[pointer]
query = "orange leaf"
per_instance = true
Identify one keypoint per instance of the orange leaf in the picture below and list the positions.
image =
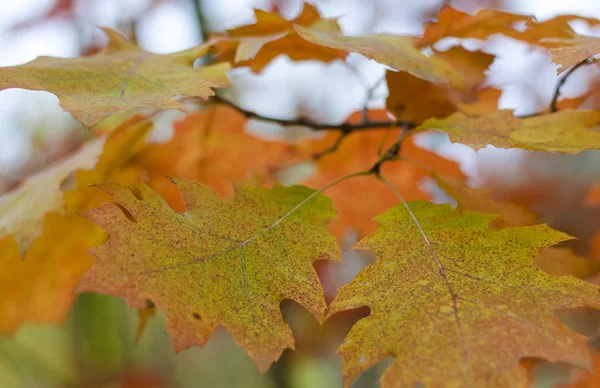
(258, 44)
(39, 288)
(211, 146)
(359, 199)
(454, 23)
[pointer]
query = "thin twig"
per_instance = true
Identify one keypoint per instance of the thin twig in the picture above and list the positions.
(333, 148)
(344, 127)
(301, 203)
(369, 97)
(392, 152)
(561, 82)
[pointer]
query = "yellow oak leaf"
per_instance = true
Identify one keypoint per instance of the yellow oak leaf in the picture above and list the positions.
(258, 44)
(568, 131)
(39, 287)
(414, 99)
(467, 300)
(554, 261)
(119, 78)
(220, 264)
(116, 162)
(397, 52)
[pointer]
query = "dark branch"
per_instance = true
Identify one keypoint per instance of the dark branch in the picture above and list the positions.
(391, 153)
(561, 82)
(344, 127)
(333, 148)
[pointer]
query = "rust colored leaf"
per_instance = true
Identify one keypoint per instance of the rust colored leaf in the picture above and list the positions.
(119, 78)
(567, 131)
(211, 146)
(414, 99)
(258, 44)
(397, 52)
(219, 264)
(39, 287)
(470, 298)
(369, 196)
(454, 23)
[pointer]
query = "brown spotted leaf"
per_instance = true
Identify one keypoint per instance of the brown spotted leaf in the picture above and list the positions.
(219, 264)
(121, 77)
(470, 303)
(397, 52)
(568, 131)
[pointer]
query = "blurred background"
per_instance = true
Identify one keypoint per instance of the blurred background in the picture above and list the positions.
(103, 336)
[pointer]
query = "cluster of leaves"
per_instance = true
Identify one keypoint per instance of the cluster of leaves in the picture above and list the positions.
(459, 291)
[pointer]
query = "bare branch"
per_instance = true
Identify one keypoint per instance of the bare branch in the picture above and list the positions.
(344, 127)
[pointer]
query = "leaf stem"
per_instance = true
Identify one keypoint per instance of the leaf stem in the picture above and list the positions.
(304, 201)
(441, 270)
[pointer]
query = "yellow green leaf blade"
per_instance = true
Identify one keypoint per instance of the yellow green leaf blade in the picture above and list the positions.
(472, 310)
(119, 78)
(398, 52)
(567, 131)
(219, 264)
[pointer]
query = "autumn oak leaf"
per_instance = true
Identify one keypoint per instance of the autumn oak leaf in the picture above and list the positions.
(470, 302)
(454, 23)
(414, 99)
(38, 288)
(569, 52)
(121, 77)
(568, 131)
(358, 152)
(256, 45)
(397, 52)
(220, 264)
(211, 146)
